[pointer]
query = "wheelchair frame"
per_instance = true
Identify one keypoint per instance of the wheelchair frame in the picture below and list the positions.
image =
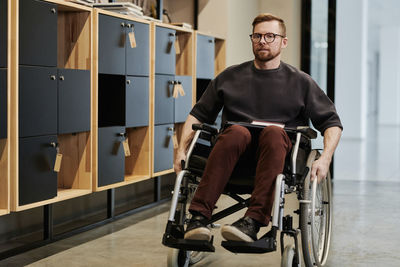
(315, 246)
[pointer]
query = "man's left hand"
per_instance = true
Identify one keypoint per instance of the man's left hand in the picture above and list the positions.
(320, 169)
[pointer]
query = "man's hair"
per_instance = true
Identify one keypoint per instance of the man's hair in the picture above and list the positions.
(269, 17)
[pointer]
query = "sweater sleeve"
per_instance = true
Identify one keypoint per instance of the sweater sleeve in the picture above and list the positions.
(320, 109)
(207, 108)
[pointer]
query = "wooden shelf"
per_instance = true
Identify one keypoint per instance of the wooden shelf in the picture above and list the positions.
(74, 51)
(4, 181)
(62, 194)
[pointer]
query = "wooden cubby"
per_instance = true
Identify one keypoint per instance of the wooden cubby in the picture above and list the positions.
(74, 37)
(137, 165)
(74, 52)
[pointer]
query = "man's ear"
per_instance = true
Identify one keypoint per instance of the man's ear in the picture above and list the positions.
(284, 42)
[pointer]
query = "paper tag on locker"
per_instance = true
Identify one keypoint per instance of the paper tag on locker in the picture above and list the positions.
(177, 46)
(57, 164)
(127, 151)
(175, 141)
(132, 39)
(180, 89)
(175, 90)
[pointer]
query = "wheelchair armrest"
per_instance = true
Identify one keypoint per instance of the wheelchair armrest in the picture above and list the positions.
(205, 127)
(304, 130)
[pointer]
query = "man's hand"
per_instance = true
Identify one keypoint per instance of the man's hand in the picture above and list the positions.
(178, 159)
(320, 169)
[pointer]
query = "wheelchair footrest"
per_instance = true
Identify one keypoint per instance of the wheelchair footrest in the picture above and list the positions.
(190, 245)
(263, 245)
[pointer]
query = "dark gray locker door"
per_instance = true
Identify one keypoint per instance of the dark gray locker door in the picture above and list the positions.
(111, 45)
(3, 33)
(111, 155)
(183, 104)
(138, 58)
(163, 100)
(3, 103)
(73, 101)
(137, 101)
(163, 147)
(205, 57)
(37, 33)
(37, 179)
(37, 101)
(165, 51)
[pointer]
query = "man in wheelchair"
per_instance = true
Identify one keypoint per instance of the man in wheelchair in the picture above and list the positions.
(264, 91)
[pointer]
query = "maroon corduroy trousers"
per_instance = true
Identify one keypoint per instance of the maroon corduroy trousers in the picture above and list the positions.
(236, 141)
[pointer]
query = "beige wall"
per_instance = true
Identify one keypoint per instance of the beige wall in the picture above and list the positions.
(240, 16)
(290, 12)
(180, 10)
(213, 17)
(232, 19)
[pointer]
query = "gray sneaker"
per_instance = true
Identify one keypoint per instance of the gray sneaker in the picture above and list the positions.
(197, 229)
(244, 229)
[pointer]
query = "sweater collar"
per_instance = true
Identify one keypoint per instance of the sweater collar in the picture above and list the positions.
(266, 71)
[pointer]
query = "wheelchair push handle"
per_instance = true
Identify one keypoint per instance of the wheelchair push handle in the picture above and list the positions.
(205, 127)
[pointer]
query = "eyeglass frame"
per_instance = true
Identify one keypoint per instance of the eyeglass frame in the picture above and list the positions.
(263, 36)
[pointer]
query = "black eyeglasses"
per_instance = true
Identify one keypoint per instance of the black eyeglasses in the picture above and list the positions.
(269, 37)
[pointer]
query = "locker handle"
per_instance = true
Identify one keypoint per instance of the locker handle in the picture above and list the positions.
(53, 10)
(122, 24)
(53, 77)
(171, 34)
(128, 81)
(54, 144)
(210, 41)
(171, 129)
(62, 78)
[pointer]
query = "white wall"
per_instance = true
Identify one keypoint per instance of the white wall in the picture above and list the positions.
(389, 76)
(351, 66)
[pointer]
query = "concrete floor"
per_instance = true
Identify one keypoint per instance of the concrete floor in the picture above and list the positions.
(366, 228)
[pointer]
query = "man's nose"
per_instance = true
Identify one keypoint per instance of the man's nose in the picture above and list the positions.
(262, 40)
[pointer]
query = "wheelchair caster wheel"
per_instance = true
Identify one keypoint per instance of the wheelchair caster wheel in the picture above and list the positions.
(288, 257)
(183, 258)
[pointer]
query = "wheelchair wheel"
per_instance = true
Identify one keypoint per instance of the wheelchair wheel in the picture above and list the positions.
(316, 218)
(178, 258)
(288, 256)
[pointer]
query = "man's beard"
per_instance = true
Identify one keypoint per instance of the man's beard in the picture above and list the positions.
(265, 57)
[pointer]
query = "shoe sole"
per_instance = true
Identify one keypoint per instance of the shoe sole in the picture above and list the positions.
(201, 233)
(231, 233)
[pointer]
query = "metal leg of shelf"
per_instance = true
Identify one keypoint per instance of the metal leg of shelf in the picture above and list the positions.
(157, 189)
(47, 222)
(111, 203)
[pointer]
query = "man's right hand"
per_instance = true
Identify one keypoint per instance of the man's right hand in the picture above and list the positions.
(178, 159)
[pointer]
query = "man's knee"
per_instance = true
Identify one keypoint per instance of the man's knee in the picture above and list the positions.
(236, 134)
(273, 136)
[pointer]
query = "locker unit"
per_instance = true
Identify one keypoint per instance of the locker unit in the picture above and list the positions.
(54, 105)
(123, 98)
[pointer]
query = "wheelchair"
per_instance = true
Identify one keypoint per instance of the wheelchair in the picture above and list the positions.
(315, 204)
